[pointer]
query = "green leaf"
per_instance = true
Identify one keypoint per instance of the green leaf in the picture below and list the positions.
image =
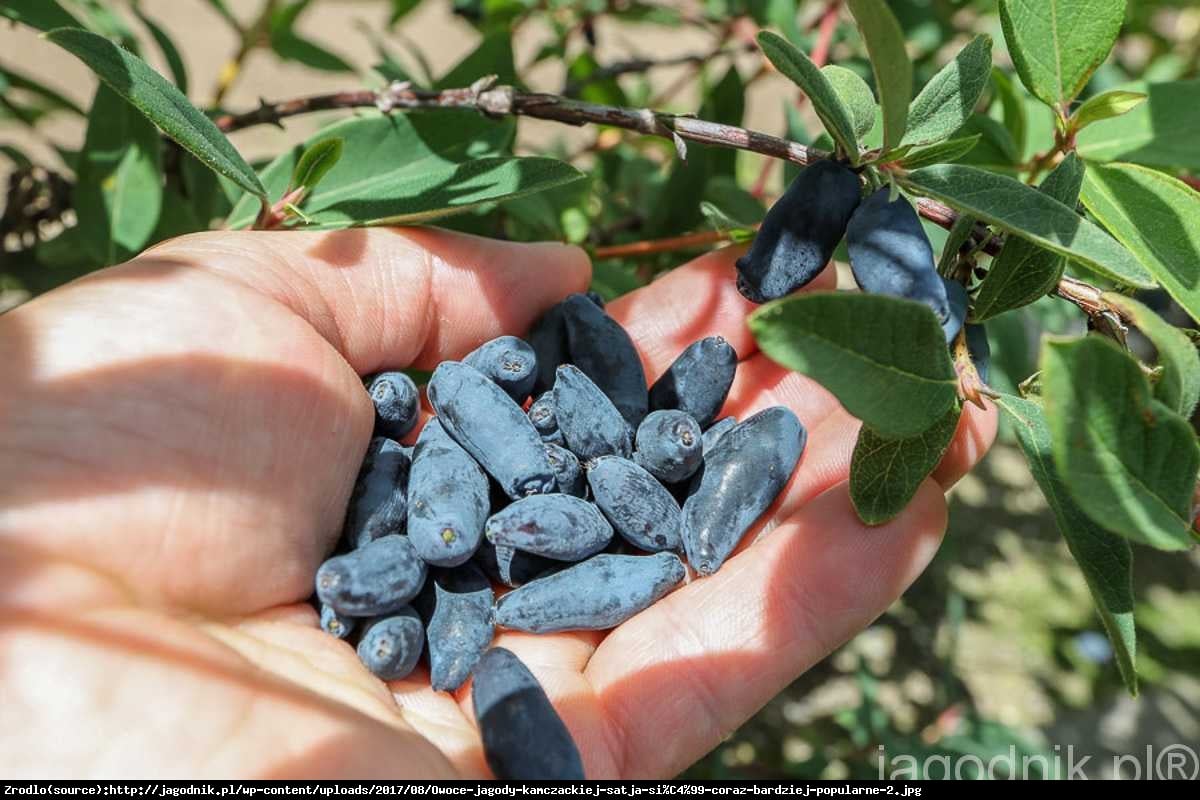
(49, 99)
(721, 221)
(1105, 559)
(958, 235)
(400, 9)
(167, 47)
(316, 162)
(1179, 386)
(884, 358)
(1128, 460)
(855, 95)
(940, 152)
(44, 15)
(889, 61)
(1103, 106)
(1157, 217)
(160, 102)
(995, 150)
(1012, 106)
(1056, 45)
(825, 101)
(493, 56)
(1024, 271)
(402, 168)
(16, 156)
(291, 46)
(118, 191)
(949, 98)
(1161, 132)
(885, 473)
(1024, 211)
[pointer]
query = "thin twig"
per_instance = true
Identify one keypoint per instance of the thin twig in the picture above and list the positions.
(668, 245)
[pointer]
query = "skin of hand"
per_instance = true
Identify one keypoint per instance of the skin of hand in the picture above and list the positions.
(179, 436)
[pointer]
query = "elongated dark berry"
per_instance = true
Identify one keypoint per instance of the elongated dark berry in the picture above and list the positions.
(715, 432)
(379, 504)
(669, 445)
(591, 425)
(459, 627)
(596, 594)
(492, 428)
(698, 382)
(603, 351)
(567, 470)
(336, 624)
(509, 362)
(890, 253)
(377, 578)
(391, 645)
(640, 508)
(396, 402)
(557, 526)
(548, 338)
(742, 475)
(448, 499)
(800, 232)
(523, 736)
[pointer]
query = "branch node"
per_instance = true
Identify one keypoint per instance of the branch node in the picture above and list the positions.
(495, 101)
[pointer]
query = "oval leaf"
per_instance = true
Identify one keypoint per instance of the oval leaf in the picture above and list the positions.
(45, 15)
(1056, 45)
(1025, 272)
(316, 162)
(1179, 386)
(163, 104)
(1157, 217)
(1024, 211)
(940, 153)
(1128, 460)
(1158, 133)
(886, 473)
(949, 98)
(889, 61)
(1105, 106)
(1105, 559)
(855, 95)
(884, 358)
(825, 101)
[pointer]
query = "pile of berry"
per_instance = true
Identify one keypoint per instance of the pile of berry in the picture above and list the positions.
(582, 505)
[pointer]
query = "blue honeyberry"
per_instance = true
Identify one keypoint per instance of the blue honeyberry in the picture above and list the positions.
(698, 381)
(590, 424)
(669, 445)
(459, 626)
(800, 232)
(742, 475)
(596, 594)
(378, 578)
(509, 362)
(492, 428)
(390, 645)
(603, 351)
(640, 508)
(379, 504)
(397, 404)
(448, 499)
(523, 736)
(558, 526)
(890, 253)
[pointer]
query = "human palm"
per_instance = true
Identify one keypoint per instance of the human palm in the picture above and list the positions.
(178, 440)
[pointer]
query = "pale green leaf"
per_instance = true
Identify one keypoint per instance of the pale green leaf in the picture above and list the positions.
(855, 95)
(1105, 559)
(889, 61)
(884, 358)
(939, 152)
(1128, 460)
(118, 191)
(1024, 211)
(160, 102)
(1160, 132)
(885, 473)
(1056, 45)
(316, 162)
(1012, 109)
(1024, 271)
(1179, 386)
(798, 68)
(949, 98)
(1105, 105)
(1157, 217)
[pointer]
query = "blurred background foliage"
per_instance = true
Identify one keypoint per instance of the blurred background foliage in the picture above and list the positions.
(996, 649)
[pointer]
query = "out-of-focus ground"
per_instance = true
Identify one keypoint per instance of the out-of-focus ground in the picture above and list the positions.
(996, 644)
